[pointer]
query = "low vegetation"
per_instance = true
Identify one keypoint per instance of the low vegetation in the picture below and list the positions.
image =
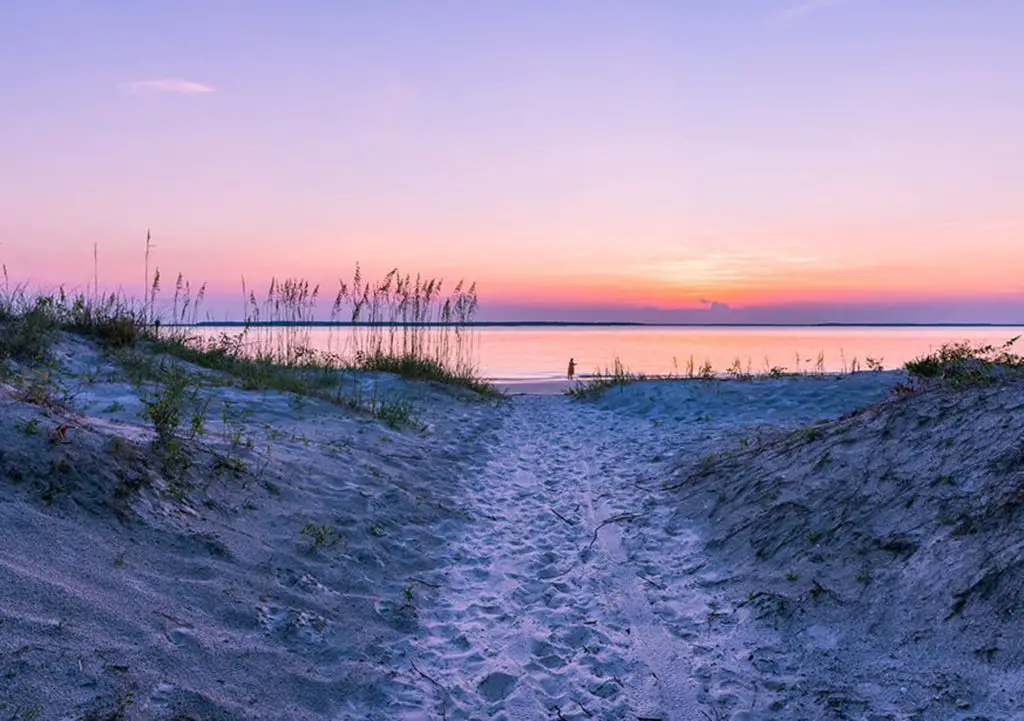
(414, 332)
(965, 362)
(618, 375)
(402, 325)
(600, 381)
(29, 322)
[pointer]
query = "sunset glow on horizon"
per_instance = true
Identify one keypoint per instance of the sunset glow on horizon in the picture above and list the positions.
(778, 160)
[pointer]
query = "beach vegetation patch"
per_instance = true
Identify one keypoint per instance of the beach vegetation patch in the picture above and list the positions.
(29, 321)
(965, 362)
(600, 381)
(396, 413)
(403, 324)
(171, 400)
(318, 536)
(42, 386)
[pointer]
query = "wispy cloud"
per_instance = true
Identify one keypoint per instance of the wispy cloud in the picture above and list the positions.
(806, 7)
(169, 85)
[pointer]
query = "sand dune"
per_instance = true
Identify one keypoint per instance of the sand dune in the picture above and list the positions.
(672, 550)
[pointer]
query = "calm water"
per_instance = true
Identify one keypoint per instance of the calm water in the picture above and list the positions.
(514, 354)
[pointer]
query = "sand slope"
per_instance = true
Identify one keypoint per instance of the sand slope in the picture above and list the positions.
(874, 566)
(124, 593)
(672, 550)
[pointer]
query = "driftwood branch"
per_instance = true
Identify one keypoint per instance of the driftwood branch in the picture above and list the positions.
(444, 691)
(562, 518)
(613, 519)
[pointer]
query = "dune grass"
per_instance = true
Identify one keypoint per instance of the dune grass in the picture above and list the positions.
(403, 325)
(619, 375)
(29, 321)
(964, 362)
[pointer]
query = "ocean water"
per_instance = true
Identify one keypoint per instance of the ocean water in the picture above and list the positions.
(529, 353)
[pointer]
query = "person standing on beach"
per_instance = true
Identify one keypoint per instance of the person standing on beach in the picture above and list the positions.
(572, 368)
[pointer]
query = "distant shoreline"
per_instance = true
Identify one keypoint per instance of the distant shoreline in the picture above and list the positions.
(575, 324)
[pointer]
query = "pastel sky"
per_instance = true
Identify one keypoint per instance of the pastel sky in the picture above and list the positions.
(677, 160)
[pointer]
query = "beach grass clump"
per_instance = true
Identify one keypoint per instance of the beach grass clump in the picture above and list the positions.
(29, 322)
(600, 381)
(27, 336)
(172, 400)
(396, 412)
(164, 407)
(423, 369)
(110, 319)
(964, 362)
(317, 535)
(42, 385)
(408, 326)
(253, 369)
(402, 324)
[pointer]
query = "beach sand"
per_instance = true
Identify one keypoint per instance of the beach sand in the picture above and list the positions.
(671, 550)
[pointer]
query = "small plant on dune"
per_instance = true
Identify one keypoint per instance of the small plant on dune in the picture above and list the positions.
(874, 364)
(30, 713)
(819, 364)
(197, 423)
(233, 435)
(963, 362)
(396, 413)
(737, 372)
(317, 535)
(904, 389)
(29, 427)
(41, 386)
(706, 372)
(164, 407)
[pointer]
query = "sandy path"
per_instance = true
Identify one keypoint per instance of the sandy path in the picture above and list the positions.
(543, 613)
(524, 561)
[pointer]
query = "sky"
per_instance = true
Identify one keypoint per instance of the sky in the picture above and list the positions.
(679, 160)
